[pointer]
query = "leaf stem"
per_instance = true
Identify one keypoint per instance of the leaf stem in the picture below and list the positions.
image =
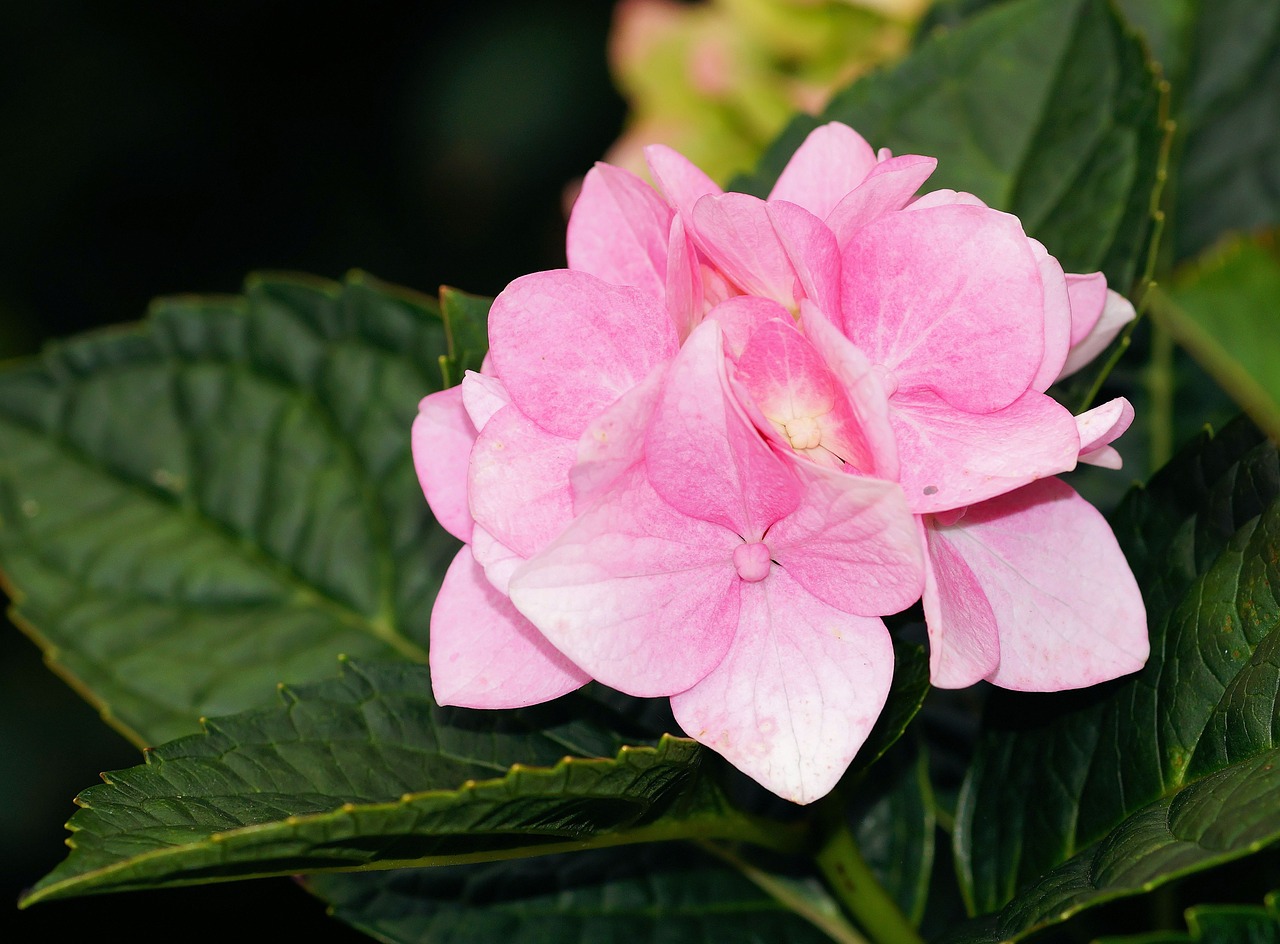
(855, 885)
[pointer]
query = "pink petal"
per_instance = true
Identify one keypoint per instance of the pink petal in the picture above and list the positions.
(441, 438)
(1117, 313)
(566, 345)
(735, 232)
(642, 597)
(740, 316)
(796, 695)
(964, 645)
(519, 481)
(704, 456)
(1057, 317)
(831, 161)
(1100, 426)
(614, 441)
(498, 560)
(1088, 298)
(484, 654)
(851, 543)
(951, 458)
(1067, 606)
(889, 187)
(684, 280)
(482, 396)
(812, 251)
(863, 389)
(944, 197)
(617, 230)
(679, 179)
(948, 299)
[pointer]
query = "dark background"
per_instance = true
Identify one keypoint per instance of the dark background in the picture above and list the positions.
(157, 147)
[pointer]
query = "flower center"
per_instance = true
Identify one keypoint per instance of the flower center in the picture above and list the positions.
(803, 432)
(752, 561)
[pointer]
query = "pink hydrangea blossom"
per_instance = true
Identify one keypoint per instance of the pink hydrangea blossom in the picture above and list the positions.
(704, 460)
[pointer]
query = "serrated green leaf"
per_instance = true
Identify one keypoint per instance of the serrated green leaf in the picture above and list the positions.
(1045, 108)
(1216, 924)
(367, 772)
(1223, 310)
(644, 895)
(197, 507)
(466, 324)
(1060, 808)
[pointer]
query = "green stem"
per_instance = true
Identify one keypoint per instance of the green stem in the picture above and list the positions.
(1160, 388)
(855, 885)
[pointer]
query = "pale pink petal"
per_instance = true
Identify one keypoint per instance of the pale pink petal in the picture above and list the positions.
(890, 186)
(831, 161)
(796, 695)
(566, 345)
(483, 396)
(498, 560)
(681, 181)
(614, 441)
(618, 230)
(1100, 426)
(948, 299)
(851, 542)
(642, 597)
(735, 232)
(1057, 317)
(441, 439)
(811, 248)
(1088, 298)
(1068, 609)
(703, 454)
(944, 197)
(862, 387)
(1117, 313)
(684, 280)
(951, 458)
(519, 481)
(964, 645)
(741, 315)
(484, 654)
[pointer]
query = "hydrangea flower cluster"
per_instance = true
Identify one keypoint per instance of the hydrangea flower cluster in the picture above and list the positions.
(704, 460)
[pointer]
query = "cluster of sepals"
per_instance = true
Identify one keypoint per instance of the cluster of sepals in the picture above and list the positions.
(704, 460)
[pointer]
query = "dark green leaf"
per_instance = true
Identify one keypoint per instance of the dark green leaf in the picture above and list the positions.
(906, 696)
(222, 498)
(366, 771)
(655, 894)
(1218, 924)
(1065, 802)
(1045, 108)
(466, 323)
(1224, 310)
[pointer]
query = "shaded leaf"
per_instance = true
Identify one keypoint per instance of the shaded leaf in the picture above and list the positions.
(1224, 310)
(200, 506)
(366, 771)
(1217, 924)
(1045, 108)
(466, 324)
(654, 894)
(1082, 796)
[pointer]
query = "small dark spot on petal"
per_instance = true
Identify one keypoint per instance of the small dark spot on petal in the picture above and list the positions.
(931, 490)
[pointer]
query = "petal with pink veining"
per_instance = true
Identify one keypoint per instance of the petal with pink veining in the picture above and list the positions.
(704, 456)
(811, 248)
(441, 437)
(614, 441)
(518, 481)
(1116, 313)
(948, 299)
(851, 542)
(1101, 426)
(483, 396)
(889, 187)
(1088, 294)
(638, 594)
(484, 654)
(951, 458)
(683, 280)
(1057, 317)
(566, 345)
(1068, 609)
(964, 645)
(735, 232)
(618, 230)
(681, 181)
(831, 161)
(796, 695)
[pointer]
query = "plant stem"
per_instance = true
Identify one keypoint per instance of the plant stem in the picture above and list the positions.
(1160, 388)
(856, 886)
